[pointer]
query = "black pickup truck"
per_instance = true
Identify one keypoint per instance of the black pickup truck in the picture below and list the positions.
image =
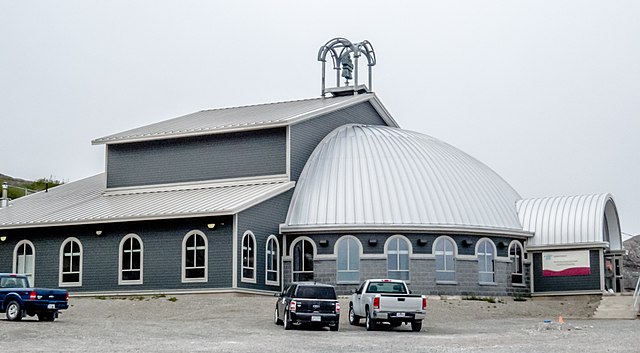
(18, 299)
(309, 304)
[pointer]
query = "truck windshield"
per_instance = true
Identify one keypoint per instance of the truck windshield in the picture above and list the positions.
(14, 282)
(315, 292)
(386, 287)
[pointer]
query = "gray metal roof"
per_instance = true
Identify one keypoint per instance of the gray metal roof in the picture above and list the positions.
(571, 221)
(243, 118)
(85, 202)
(375, 177)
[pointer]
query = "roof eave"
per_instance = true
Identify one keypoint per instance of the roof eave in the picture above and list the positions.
(444, 229)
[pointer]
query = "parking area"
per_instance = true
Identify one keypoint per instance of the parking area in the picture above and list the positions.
(244, 323)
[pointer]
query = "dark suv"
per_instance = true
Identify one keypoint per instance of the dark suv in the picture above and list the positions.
(309, 304)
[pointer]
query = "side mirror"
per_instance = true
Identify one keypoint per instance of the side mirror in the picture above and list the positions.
(410, 291)
(354, 291)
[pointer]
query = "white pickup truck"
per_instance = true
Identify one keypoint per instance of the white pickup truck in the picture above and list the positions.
(386, 300)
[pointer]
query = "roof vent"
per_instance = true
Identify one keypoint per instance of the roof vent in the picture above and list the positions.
(345, 56)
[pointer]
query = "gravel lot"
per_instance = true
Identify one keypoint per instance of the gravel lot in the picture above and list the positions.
(242, 323)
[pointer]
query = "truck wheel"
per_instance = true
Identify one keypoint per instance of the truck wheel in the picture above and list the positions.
(287, 322)
(416, 326)
(14, 311)
(276, 319)
(46, 317)
(353, 318)
(370, 323)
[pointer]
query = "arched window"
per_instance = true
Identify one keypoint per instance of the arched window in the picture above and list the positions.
(131, 260)
(24, 260)
(398, 257)
(516, 254)
(303, 261)
(444, 251)
(70, 263)
(486, 255)
(194, 257)
(248, 257)
(272, 261)
(348, 260)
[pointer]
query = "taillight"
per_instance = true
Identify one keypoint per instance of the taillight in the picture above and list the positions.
(32, 296)
(376, 302)
(67, 297)
(292, 306)
(424, 303)
(337, 308)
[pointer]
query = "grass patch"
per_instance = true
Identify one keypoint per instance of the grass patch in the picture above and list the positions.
(519, 298)
(173, 299)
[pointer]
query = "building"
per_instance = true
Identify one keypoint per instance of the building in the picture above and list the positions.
(328, 189)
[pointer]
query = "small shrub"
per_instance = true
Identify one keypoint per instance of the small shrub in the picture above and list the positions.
(173, 299)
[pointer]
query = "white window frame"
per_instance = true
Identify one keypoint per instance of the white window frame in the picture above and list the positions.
(61, 273)
(314, 253)
(184, 258)
(31, 276)
(454, 254)
(276, 255)
(520, 263)
(346, 238)
(250, 252)
(484, 254)
(397, 253)
(122, 281)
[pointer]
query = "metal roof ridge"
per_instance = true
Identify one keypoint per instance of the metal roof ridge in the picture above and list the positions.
(209, 184)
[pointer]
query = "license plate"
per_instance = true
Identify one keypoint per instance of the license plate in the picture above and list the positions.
(315, 318)
(399, 314)
(51, 306)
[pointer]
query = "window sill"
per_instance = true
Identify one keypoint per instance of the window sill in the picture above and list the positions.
(348, 282)
(447, 282)
(272, 283)
(248, 280)
(488, 283)
(519, 285)
(65, 285)
(129, 283)
(194, 280)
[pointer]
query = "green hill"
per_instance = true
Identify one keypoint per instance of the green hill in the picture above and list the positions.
(21, 187)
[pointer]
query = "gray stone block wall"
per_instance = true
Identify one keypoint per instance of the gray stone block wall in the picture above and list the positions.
(422, 277)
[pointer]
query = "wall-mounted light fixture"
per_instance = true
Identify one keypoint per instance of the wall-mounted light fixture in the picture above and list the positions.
(324, 242)
(422, 242)
(502, 245)
(373, 242)
(466, 242)
(98, 232)
(3, 238)
(211, 225)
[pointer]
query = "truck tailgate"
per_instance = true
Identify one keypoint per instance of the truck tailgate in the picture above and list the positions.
(400, 303)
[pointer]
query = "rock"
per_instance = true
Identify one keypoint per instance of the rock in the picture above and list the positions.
(631, 263)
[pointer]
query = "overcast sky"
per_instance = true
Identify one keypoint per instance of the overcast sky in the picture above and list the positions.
(547, 93)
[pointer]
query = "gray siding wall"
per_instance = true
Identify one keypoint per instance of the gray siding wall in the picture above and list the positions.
(422, 270)
(590, 282)
(262, 220)
(162, 242)
(305, 136)
(232, 155)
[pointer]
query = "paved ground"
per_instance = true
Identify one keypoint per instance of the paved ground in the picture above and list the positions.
(232, 323)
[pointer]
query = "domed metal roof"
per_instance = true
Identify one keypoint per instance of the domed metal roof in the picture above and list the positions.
(363, 177)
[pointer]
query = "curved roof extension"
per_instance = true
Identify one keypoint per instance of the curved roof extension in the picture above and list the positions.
(571, 220)
(364, 177)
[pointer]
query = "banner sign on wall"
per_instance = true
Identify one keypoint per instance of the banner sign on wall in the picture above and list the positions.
(566, 263)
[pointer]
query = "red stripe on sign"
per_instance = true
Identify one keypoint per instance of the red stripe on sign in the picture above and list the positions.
(576, 271)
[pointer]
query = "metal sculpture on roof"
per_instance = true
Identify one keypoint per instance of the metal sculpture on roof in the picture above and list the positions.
(341, 51)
